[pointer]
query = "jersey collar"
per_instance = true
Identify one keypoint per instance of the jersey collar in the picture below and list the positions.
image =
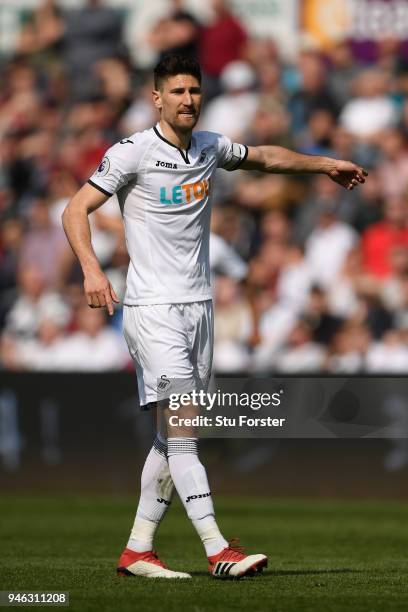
(156, 130)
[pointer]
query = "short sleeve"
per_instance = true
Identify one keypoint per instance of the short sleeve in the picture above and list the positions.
(230, 154)
(118, 166)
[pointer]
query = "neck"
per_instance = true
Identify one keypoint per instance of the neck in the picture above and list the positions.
(179, 139)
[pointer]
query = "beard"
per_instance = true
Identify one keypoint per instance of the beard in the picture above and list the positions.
(182, 123)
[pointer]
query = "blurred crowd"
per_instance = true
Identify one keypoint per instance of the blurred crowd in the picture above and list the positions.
(307, 277)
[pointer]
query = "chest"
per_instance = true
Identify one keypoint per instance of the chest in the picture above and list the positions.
(174, 179)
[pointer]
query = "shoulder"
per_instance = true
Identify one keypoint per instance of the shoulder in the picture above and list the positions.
(134, 140)
(127, 152)
(206, 137)
(212, 139)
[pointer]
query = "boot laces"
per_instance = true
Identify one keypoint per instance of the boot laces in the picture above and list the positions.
(235, 550)
(151, 557)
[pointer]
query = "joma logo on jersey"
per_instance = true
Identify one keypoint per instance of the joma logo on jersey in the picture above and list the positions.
(162, 164)
(184, 194)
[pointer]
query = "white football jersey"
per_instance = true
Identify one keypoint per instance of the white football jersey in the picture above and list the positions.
(165, 197)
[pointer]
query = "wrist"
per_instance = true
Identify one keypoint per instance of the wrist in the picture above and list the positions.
(329, 165)
(90, 268)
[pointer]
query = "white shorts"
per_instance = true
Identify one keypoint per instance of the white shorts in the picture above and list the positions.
(172, 347)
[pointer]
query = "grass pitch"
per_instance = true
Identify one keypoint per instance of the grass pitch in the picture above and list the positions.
(323, 556)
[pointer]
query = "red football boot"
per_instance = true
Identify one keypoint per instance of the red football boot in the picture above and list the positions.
(146, 564)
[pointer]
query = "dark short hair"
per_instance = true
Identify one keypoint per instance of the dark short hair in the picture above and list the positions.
(174, 64)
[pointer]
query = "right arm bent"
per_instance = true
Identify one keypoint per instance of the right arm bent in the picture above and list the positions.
(98, 290)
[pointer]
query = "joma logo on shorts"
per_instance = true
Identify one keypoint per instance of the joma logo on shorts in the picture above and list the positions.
(184, 194)
(163, 501)
(190, 497)
(162, 164)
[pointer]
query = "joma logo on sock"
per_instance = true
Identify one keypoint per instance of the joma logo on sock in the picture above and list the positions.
(163, 501)
(190, 497)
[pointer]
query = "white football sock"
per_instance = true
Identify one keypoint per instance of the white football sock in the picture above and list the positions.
(155, 497)
(190, 479)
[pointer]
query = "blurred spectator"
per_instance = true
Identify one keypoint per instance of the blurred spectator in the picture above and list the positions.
(90, 33)
(328, 245)
(61, 187)
(41, 34)
(267, 191)
(314, 93)
(91, 348)
(270, 83)
(141, 114)
(371, 110)
(275, 325)
(11, 241)
(323, 321)
(45, 352)
(393, 167)
(224, 260)
(343, 143)
(404, 115)
(343, 70)
(175, 32)
(394, 287)
(231, 113)
(275, 226)
(262, 51)
(115, 88)
(377, 318)
(221, 42)
(272, 256)
(270, 125)
(401, 315)
(33, 304)
(232, 327)
(294, 280)
(234, 227)
(379, 239)
(389, 355)
(94, 347)
(315, 139)
(348, 349)
(107, 230)
(45, 245)
(300, 354)
(351, 283)
(368, 209)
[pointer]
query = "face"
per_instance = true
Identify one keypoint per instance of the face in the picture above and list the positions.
(179, 101)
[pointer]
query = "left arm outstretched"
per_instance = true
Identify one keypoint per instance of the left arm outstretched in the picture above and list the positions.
(280, 160)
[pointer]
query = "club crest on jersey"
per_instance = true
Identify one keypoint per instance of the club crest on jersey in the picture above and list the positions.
(162, 164)
(103, 167)
(185, 194)
(203, 156)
